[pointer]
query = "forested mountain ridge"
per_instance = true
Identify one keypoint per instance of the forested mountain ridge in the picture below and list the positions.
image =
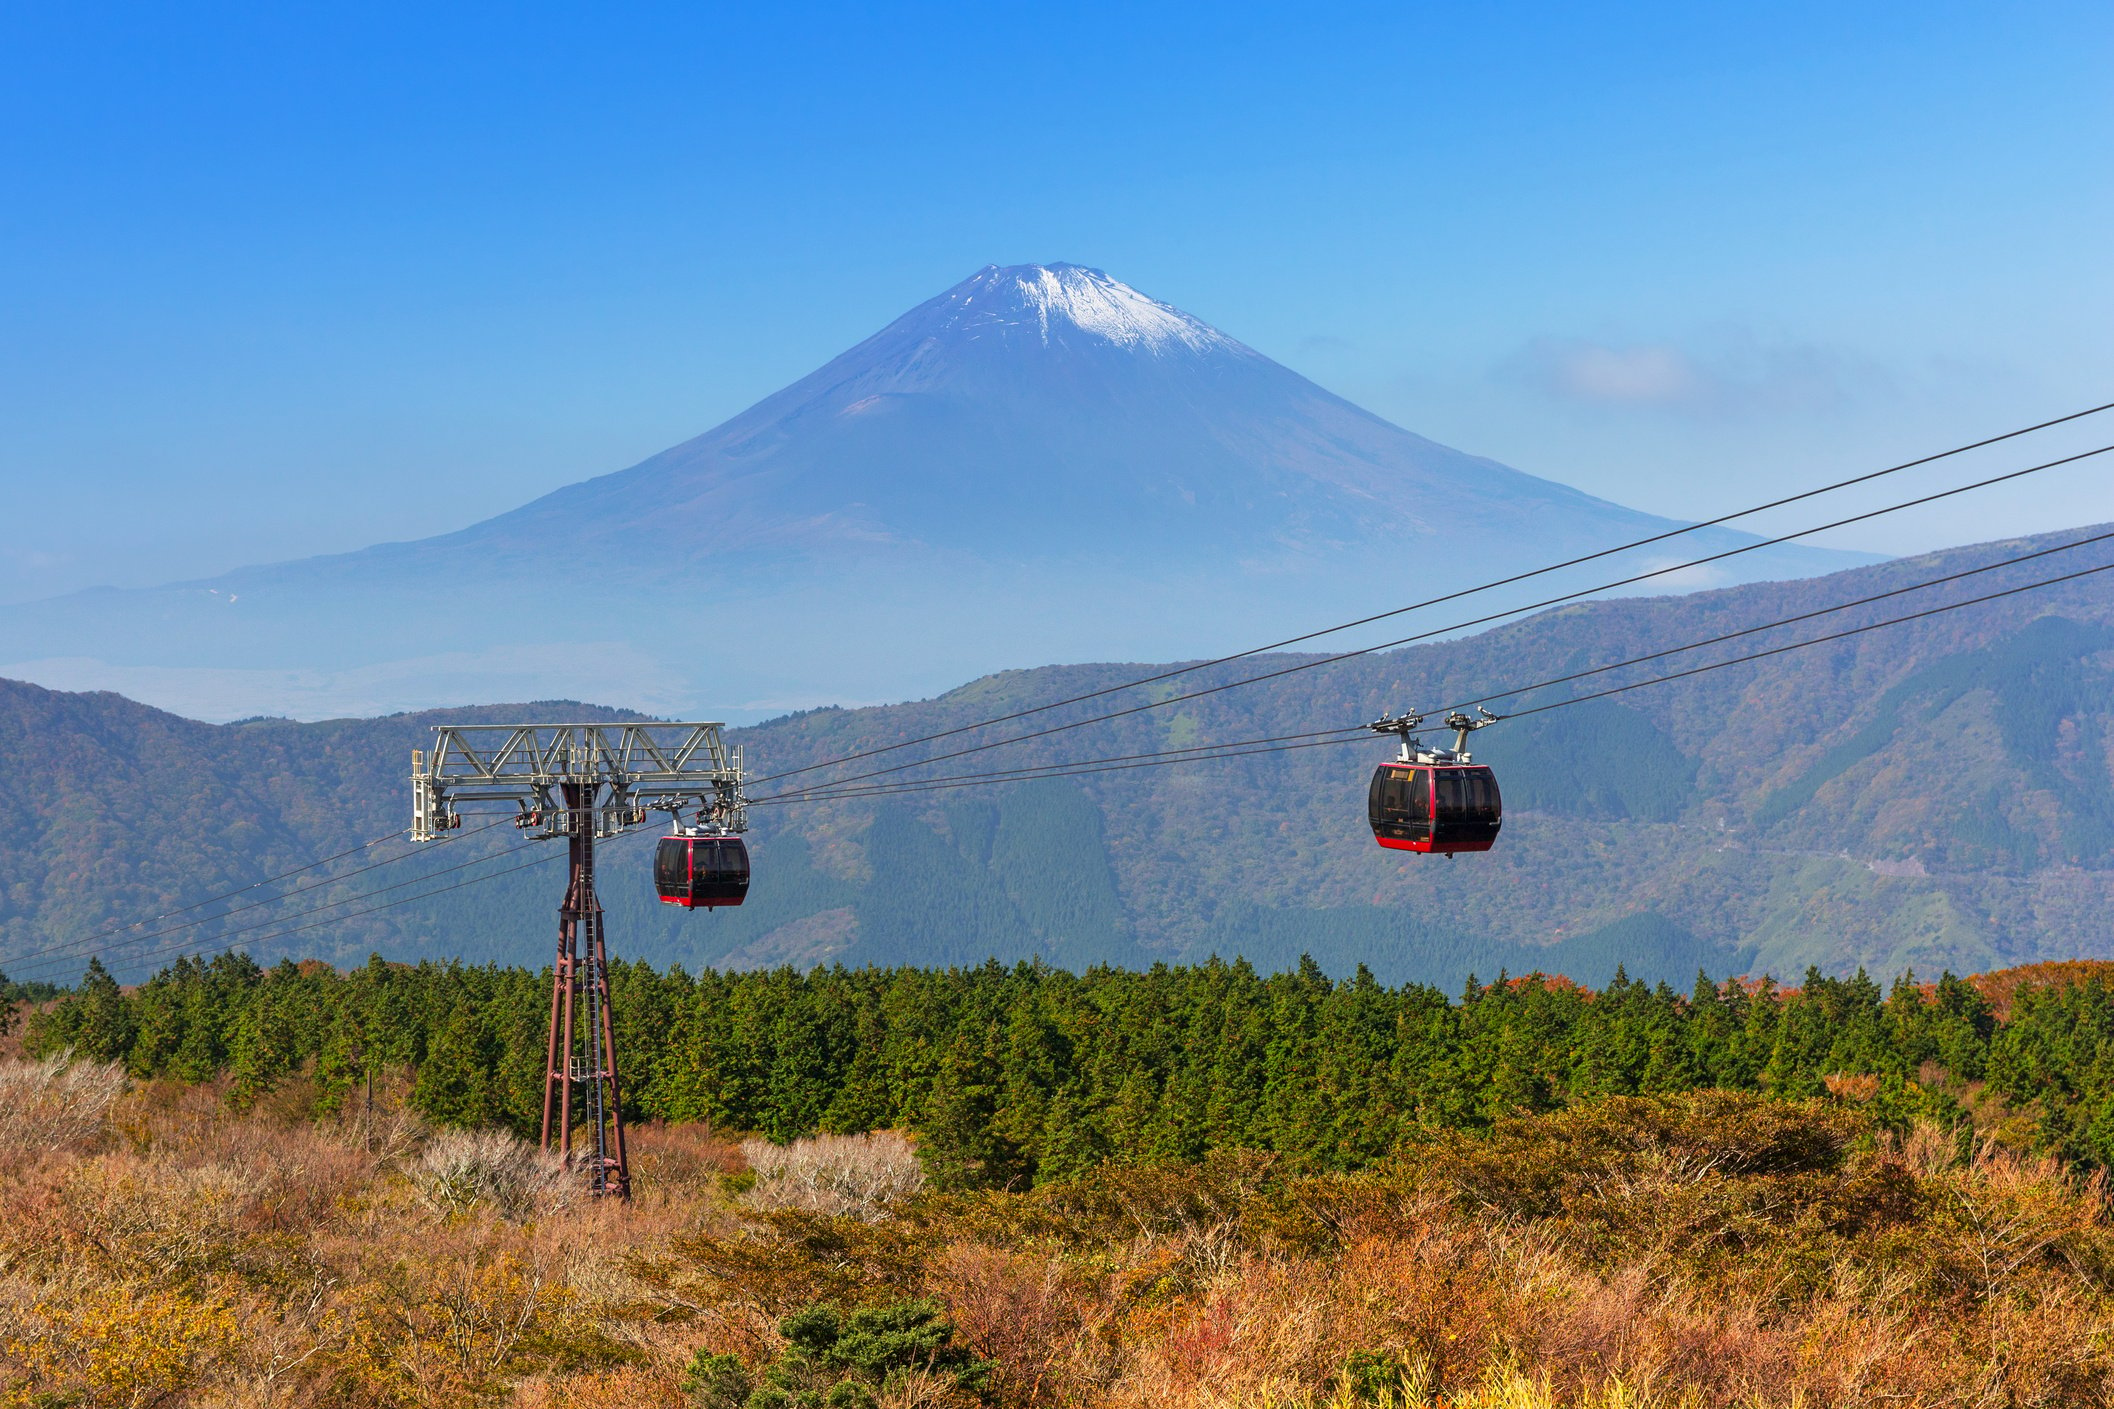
(123, 813)
(1927, 794)
(1935, 794)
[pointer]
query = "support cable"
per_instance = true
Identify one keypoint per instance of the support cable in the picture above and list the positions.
(1028, 772)
(239, 890)
(1808, 616)
(1816, 641)
(1546, 602)
(1646, 542)
(73, 948)
(266, 924)
(1352, 735)
(842, 788)
(177, 950)
(1242, 748)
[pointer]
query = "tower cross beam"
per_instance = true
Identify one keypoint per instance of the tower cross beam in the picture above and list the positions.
(626, 767)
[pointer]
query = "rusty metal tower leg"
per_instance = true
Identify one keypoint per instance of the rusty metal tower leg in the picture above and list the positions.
(557, 1085)
(581, 981)
(611, 1173)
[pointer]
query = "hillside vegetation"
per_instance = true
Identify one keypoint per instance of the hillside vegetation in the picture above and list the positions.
(166, 1248)
(1937, 795)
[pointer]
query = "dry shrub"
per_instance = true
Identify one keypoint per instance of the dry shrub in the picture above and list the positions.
(627, 1387)
(377, 1118)
(461, 1168)
(1757, 1198)
(1275, 1328)
(457, 1322)
(55, 1103)
(1542, 1166)
(1691, 1253)
(1453, 1309)
(269, 1260)
(131, 1218)
(856, 1176)
(1660, 1250)
(1924, 1150)
(1510, 1387)
(187, 1125)
(744, 1275)
(680, 1161)
(1647, 1328)
(293, 1171)
(922, 1389)
(1034, 1317)
(1851, 1086)
(2005, 1214)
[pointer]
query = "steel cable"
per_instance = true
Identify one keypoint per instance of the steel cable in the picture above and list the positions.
(1240, 748)
(1720, 520)
(842, 788)
(832, 784)
(52, 959)
(74, 948)
(1234, 751)
(392, 904)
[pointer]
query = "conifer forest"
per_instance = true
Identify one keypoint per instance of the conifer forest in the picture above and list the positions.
(1024, 1075)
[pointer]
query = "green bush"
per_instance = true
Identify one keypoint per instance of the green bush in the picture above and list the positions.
(717, 1381)
(833, 1361)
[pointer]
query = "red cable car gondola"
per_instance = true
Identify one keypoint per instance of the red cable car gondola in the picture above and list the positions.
(1416, 807)
(1434, 800)
(702, 870)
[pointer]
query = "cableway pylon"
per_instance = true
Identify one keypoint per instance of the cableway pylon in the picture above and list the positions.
(582, 782)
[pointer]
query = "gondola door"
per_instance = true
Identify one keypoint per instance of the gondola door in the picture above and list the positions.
(1399, 807)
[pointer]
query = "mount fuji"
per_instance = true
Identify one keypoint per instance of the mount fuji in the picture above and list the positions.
(1041, 464)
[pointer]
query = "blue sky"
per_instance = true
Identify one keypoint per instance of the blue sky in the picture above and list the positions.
(278, 280)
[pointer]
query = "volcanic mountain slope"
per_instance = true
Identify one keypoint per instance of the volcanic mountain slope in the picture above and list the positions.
(1040, 464)
(1933, 794)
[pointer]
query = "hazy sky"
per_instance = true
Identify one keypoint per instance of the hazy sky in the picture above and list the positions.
(279, 280)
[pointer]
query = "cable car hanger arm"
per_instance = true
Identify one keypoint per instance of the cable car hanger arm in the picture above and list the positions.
(1407, 726)
(625, 769)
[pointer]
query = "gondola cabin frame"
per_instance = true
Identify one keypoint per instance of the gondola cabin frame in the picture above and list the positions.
(1433, 808)
(701, 870)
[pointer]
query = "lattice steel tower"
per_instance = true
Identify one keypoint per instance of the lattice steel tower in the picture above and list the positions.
(583, 782)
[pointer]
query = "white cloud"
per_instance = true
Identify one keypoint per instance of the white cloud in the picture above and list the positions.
(1648, 375)
(1729, 373)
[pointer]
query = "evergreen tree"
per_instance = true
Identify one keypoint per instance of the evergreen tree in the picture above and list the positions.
(455, 1083)
(265, 1048)
(963, 1148)
(97, 1022)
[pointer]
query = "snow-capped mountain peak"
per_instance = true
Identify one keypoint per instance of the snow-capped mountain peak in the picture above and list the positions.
(1055, 298)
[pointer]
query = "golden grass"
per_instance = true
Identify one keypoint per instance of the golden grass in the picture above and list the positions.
(1705, 1251)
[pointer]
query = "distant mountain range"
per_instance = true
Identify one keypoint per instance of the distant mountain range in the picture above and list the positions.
(1040, 464)
(1929, 795)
